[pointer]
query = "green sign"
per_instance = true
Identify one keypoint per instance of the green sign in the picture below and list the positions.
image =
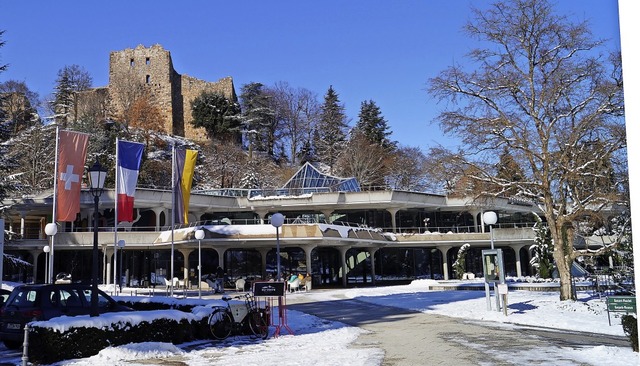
(621, 304)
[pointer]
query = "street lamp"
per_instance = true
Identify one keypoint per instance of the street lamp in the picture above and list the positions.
(277, 219)
(97, 175)
(490, 218)
(50, 229)
(199, 236)
(46, 251)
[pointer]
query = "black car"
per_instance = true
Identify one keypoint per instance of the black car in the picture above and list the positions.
(42, 302)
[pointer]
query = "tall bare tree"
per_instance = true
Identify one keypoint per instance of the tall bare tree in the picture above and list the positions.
(367, 161)
(541, 89)
(298, 111)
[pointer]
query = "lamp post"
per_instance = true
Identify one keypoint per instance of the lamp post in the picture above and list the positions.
(50, 229)
(121, 248)
(199, 236)
(490, 218)
(97, 175)
(46, 251)
(277, 219)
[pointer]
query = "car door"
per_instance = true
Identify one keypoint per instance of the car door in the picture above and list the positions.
(71, 303)
(104, 304)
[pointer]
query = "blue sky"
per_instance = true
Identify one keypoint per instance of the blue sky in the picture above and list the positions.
(384, 51)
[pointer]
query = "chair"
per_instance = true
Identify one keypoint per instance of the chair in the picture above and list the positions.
(211, 284)
(240, 282)
(294, 285)
(173, 283)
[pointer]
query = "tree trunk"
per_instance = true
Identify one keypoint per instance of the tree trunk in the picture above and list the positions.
(563, 250)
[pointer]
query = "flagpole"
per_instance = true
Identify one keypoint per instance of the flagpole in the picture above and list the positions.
(55, 194)
(173, 207)
(115, 232)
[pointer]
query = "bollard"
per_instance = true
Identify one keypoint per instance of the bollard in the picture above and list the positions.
(504, 304)
(25, 346)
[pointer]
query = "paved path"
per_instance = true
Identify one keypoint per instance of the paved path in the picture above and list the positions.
(413, 338)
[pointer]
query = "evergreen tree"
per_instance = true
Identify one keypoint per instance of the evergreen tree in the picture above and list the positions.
(258, 118)
(219, 116)
(331, 133)
(460, 265)
(372, 124)
(542, 249)
(71, 80)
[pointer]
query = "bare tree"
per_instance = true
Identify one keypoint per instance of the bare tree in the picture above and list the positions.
(541, 90)
(298, 111)
(408, 171)
(365, 160)
(146, 116)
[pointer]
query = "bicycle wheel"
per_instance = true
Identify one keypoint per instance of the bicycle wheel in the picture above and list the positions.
(259, 323)
(220, 323)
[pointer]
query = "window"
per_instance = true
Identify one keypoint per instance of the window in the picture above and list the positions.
(132, 63)
(147, 61)
(147, 79)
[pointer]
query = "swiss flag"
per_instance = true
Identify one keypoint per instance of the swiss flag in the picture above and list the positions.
(72, 153)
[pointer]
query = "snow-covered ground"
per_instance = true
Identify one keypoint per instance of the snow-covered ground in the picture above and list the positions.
(329, 343)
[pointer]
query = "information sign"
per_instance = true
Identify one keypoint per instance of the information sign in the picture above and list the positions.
(268, 289)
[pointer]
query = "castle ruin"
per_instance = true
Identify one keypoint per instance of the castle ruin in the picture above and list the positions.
(150, 69)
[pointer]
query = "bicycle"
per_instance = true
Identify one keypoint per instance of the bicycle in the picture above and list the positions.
(240, 317)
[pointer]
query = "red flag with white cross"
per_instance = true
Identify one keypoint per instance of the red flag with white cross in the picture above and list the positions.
(72, 153)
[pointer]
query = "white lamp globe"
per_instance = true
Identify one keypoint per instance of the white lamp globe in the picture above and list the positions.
(199, 234)
(51, 229)
(490, 218)
(277, 219)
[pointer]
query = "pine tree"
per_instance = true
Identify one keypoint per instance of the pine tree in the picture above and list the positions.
(258, 117)
(219, 116)
(542, 249)
(71, 80)
(460, 265)
(331, 133)
(372, 124)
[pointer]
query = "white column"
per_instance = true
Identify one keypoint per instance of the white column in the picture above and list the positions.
(516, 249)
(445, 262)
(393, 212)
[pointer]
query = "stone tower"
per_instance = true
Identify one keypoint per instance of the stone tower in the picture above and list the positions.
(151, 69)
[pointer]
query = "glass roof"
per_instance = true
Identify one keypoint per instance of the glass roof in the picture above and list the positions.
(309, 179)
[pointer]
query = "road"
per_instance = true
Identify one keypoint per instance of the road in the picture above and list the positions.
(413, 338)
(410, 338)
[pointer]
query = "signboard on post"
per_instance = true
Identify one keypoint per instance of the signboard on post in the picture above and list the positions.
(620, 304)
(268, 289)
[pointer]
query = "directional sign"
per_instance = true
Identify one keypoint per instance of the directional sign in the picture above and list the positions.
(625, 304)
